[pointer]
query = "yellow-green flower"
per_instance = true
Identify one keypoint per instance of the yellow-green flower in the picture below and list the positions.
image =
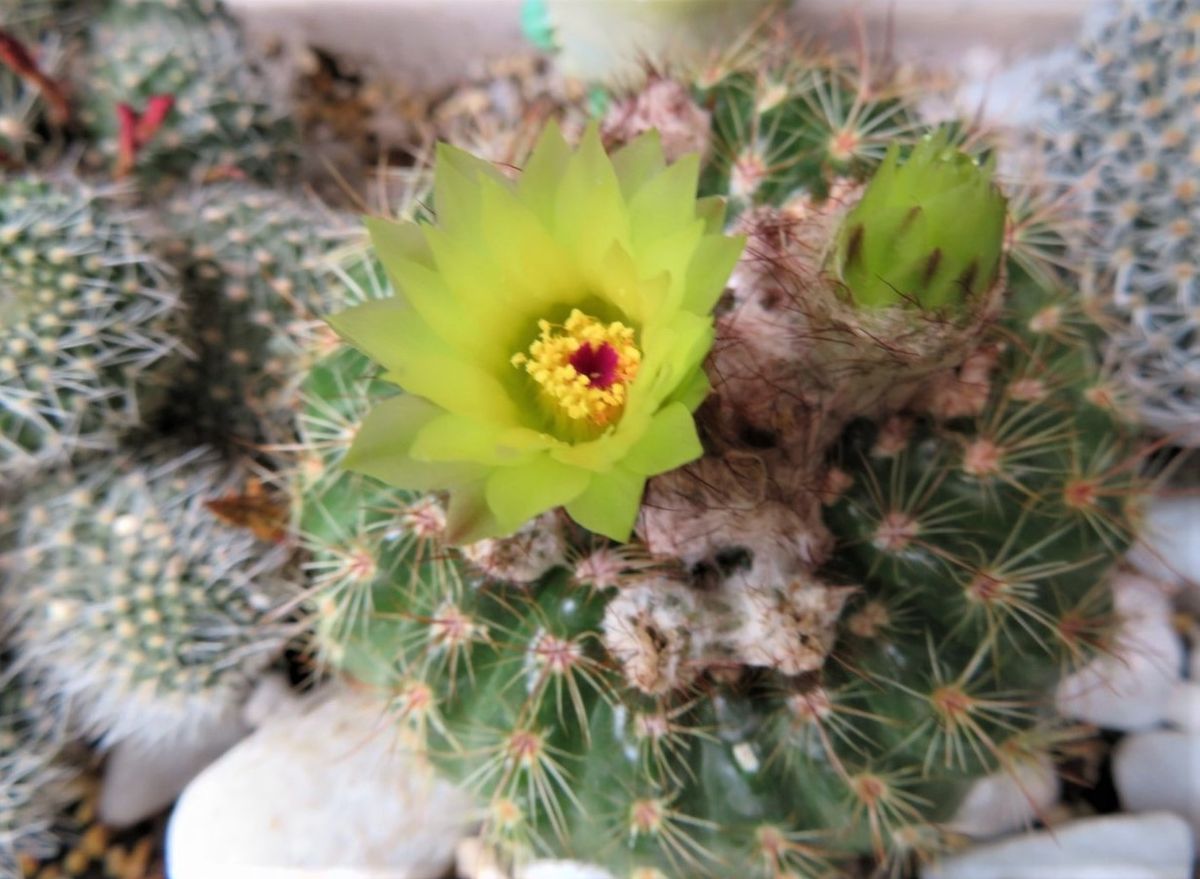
(549, 333)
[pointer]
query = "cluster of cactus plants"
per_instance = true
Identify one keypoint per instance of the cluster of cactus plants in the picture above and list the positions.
(890, 541)
(751, 484)
(143, 581)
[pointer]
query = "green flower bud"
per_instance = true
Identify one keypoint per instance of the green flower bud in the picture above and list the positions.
(929, 232)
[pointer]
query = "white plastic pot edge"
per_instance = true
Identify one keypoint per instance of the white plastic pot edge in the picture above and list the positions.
(430, 43)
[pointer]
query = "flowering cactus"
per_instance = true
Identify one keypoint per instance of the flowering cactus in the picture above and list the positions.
(549, 333)
(847, 611)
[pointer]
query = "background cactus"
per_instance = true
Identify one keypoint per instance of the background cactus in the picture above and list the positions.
(83, 313)
(135, 604)
(853, 607)
(199, 108)
(37, 778)
(1123, 135)
(256, 277)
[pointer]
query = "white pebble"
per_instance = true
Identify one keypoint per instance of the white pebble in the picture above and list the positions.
(1183, 707)
(141, 781)
(1160, 771)
(1128, 690)
(562, 870)
(1007, 801)
(1170, 544)
(334, 790)
(1157, 846)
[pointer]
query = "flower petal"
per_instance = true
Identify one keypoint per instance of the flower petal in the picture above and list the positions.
(468, 517)
(665, 202)
(517, 494)
(394, 335)
(588, 209)
(537, 268)
(372, 328)
(397, 239)
(610, 504)
(623, 284)
(452, 437)
(408, 259)
(670, 255)
(671, 351)
(693, 390)
(381, 448)
(539, 181)
(711, 209)
(670, 441)
(456, 189)
(708, 273)
(638, 161)
(460, 387)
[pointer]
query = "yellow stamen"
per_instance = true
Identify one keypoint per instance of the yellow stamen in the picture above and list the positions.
(596, 398)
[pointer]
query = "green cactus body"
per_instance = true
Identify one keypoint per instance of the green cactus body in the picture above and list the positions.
(795, 128)
(134, 604)
(1123, 135)
(222, 122)
(255, 281)
(853, 607)
(83, 313)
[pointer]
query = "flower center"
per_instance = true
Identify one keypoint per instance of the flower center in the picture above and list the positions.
(583, 368)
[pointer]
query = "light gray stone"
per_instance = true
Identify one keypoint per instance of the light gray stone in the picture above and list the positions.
(1157, 846)
(1183, 707)
(1170, 544)
(1160, 771)
(562, 870)
(1129, 689)
(334, 791)
(1007, 801)
(141, 781)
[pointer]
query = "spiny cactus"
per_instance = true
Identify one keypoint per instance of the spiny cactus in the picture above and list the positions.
(170, 94)
(83, 313)
(1125, 137)
(257, 276)
(851, 607)
(346, 519)
(135, 604)
(782, 127)
(35, 778)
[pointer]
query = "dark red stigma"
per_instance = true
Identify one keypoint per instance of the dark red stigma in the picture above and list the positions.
(598, 364)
